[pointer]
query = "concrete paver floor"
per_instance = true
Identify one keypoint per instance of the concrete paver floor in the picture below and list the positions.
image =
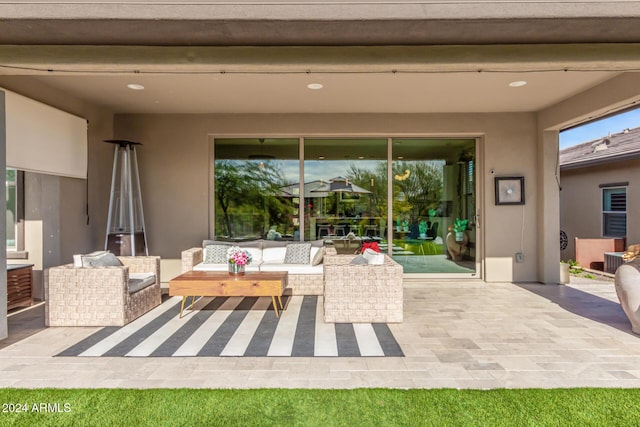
(455, 335)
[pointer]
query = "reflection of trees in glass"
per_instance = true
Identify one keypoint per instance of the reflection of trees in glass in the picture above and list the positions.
(248, 197)
(417, 187)
(375, 203)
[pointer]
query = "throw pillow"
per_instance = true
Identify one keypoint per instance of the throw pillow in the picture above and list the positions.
(106, 259)
(318, 257)
(359, 259)
(298, 253)
(373, 257)
(216, 254)
(370, 245)
(77, 258)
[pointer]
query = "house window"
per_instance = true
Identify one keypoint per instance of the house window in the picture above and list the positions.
(614, 211)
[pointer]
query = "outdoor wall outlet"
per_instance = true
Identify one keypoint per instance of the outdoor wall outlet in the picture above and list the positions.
(519, 257)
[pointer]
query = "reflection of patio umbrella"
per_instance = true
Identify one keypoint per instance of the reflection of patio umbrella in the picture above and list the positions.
(340, 185)
(293, 190)
(310, 190)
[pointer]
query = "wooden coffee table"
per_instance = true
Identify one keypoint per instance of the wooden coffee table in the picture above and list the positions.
(222, 284)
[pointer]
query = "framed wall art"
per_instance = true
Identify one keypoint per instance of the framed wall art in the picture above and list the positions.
(509, 190)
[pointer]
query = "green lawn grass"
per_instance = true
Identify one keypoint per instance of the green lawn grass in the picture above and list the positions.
(297, 407)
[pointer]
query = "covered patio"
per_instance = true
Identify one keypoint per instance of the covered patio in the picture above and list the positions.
(455, 335)
(176, 79)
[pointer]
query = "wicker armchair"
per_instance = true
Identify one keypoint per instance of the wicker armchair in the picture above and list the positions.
(99, 296)
(362, 293)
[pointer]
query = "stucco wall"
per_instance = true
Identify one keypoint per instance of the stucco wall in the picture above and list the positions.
(174, 171)
(581, 201)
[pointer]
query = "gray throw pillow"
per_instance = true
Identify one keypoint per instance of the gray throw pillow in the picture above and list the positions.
(298, 253)
(216, 254)
(318, 257)
(106, 259)
(359, 260)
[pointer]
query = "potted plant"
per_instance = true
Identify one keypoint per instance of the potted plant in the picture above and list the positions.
(422, 228)
(459, 227)
(457, 239)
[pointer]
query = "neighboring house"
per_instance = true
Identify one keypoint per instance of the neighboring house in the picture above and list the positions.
(599, 196)
(455, 93)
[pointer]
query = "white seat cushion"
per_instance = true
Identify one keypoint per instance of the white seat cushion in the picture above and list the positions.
(256, 255)
(293, 268)
(274, 255)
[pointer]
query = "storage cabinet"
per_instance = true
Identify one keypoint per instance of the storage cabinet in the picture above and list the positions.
(19, 283)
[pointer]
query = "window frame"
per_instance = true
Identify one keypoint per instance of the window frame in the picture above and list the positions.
(604, 213)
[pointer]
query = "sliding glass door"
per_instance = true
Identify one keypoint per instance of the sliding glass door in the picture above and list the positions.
(345, 183)
(434, 205)
(414, 197)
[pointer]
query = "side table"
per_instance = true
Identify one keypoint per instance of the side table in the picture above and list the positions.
(19, 282)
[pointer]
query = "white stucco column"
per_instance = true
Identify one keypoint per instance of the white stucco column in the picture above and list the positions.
(548, 192)
(4, 330)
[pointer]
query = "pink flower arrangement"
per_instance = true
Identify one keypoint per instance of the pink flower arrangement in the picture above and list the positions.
(238, 255)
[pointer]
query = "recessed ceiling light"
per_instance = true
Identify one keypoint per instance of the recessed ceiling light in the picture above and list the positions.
(518, 83)
(361, 157)
(135, 86)
(400, 157)
(321, 157)
(315, 86)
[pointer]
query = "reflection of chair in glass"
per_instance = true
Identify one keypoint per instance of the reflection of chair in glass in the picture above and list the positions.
(324, 228)
(371, 230)
(339, 230)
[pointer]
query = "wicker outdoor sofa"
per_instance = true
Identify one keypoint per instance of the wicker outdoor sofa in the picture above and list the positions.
(102, 296)
(362, 293)
(303, 279)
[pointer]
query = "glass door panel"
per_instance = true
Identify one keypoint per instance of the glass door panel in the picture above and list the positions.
(433, 205)
(253, 180)
(345, 191)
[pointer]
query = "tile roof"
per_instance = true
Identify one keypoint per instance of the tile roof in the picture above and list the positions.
(616, 147)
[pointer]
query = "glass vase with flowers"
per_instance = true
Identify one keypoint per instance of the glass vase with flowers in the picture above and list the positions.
(238, 259)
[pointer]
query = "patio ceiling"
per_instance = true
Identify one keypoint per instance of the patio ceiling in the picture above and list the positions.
(317, 23)
(395, 56)
(418, 79)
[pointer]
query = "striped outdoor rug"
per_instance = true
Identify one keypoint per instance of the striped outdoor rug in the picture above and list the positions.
(238, 326)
